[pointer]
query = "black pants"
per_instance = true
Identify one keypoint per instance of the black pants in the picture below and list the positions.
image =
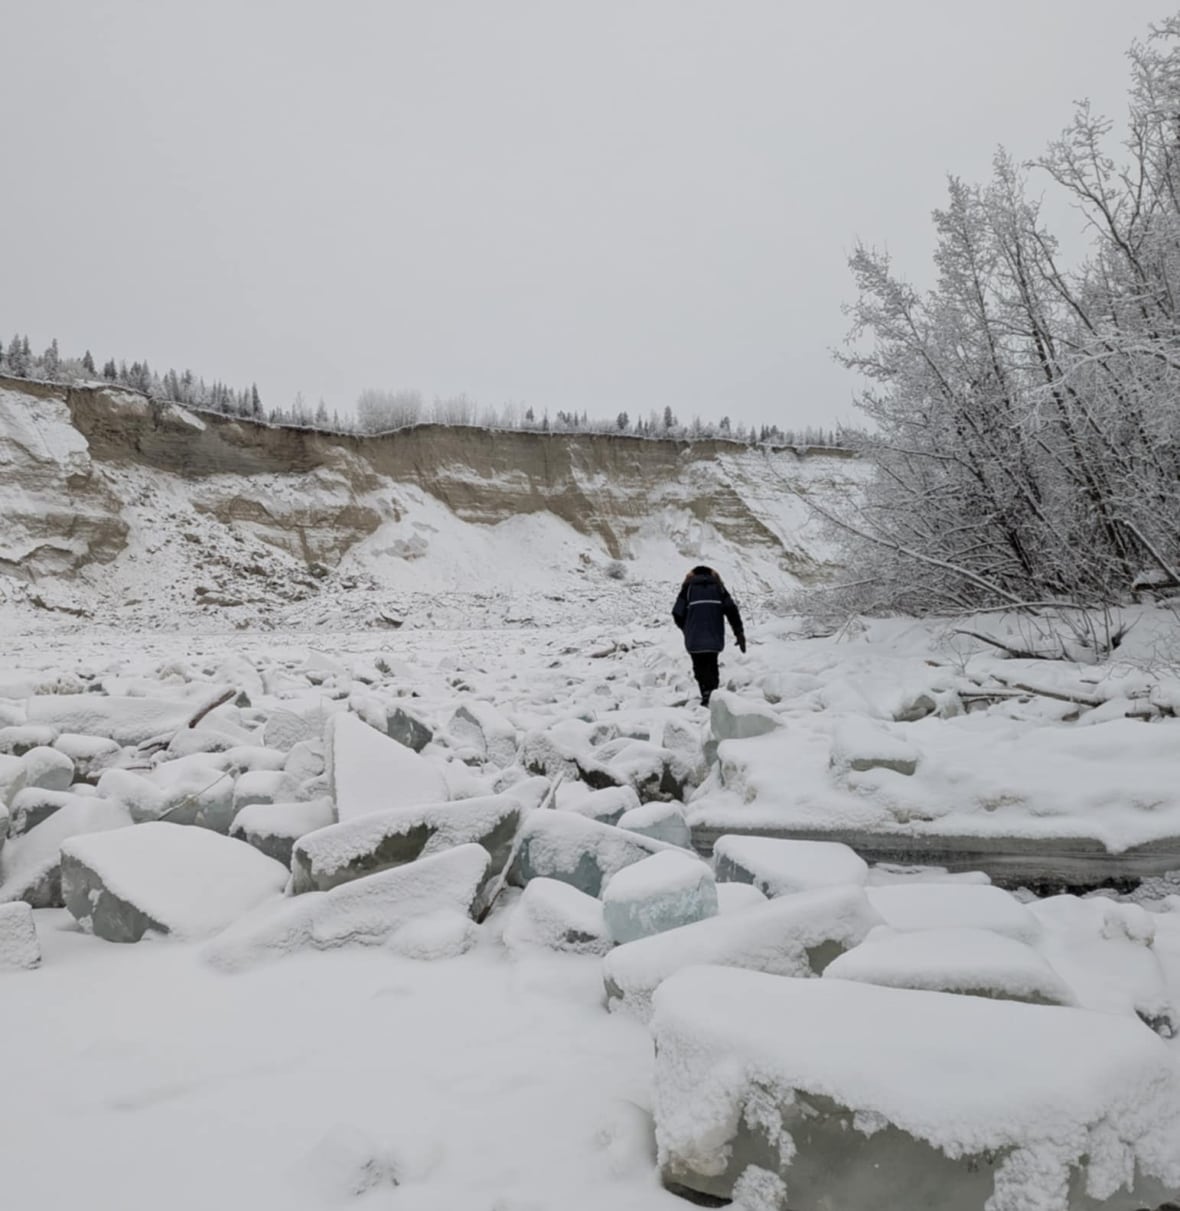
(704, 669)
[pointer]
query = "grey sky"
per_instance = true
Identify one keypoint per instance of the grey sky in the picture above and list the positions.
(600, 205)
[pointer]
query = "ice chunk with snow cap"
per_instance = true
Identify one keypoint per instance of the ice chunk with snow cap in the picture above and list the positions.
(330, 856)
(30, 869)
(732, 717)
(48, 769)
(792, 936)
(662, 892)
(369, 772)
(881, 1097)
(555, 916)
(954, 905)
(163, 878)
(970, 961)
(274, 828)
(860, 744)
(779, 867)
(576, 850)
(18, 937)
(365, 912)
(663, 821)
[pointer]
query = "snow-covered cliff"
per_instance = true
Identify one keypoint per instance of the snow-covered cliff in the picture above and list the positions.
(147, 511)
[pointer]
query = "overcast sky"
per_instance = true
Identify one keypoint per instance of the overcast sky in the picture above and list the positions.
(602, 205)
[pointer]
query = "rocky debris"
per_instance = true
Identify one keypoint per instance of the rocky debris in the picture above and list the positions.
(368, 772)
(163, 878)
(859, 744)
(90, 754)
(793, 936)
(273, 828)
(365, 912)
(972, 1103)
(16, 741)
(661, 821)
(47, 769)
(485, 729)
(782, 867)
(732, 717)
(354, 848)
(30, 866)
(606, 806)
(575, 850)
(662, 892)
(19, 947)
(555, 916)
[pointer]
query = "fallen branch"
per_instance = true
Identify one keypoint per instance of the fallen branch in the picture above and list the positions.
(1016, 653)
(220, 700)
(1077, 699)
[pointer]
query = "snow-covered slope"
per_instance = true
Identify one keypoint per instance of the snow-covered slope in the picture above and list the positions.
(126, 510)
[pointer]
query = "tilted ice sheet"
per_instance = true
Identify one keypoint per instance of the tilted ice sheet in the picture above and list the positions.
(1060, 1087)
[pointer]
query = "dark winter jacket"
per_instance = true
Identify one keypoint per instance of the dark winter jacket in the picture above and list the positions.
(701, 609)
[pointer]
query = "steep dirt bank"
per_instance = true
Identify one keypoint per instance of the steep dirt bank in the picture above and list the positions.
(94, 475)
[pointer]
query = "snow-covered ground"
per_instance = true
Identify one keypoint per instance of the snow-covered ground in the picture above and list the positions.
(294, 1061)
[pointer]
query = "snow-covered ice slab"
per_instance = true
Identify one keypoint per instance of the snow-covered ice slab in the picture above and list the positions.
(30, 866)
(481, 726)
(124, 720)
(738, 897)
(1107, 953)
(607, 806)
(792, 936)
(163, 878)
(780, 868)
(732, 717)
(18, 937)
(663, 821)
(48, 769)
(365, 912)
(662, 892)
(883, 1098)
(860, 744)
(954, 905)
(90, 754)
(369, 772)
(362, 846)
(576, 850)
(974, 962)
(273, 828)
(555, 916)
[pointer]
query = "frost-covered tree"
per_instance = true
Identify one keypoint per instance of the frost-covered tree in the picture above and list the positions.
(1026, 437)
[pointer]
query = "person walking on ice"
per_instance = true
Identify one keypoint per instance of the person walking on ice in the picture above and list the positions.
(700, 612)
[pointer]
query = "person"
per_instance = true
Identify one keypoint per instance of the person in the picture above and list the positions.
(700, 612)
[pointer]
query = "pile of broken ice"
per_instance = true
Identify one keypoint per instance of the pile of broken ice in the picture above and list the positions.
(827, 1035)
